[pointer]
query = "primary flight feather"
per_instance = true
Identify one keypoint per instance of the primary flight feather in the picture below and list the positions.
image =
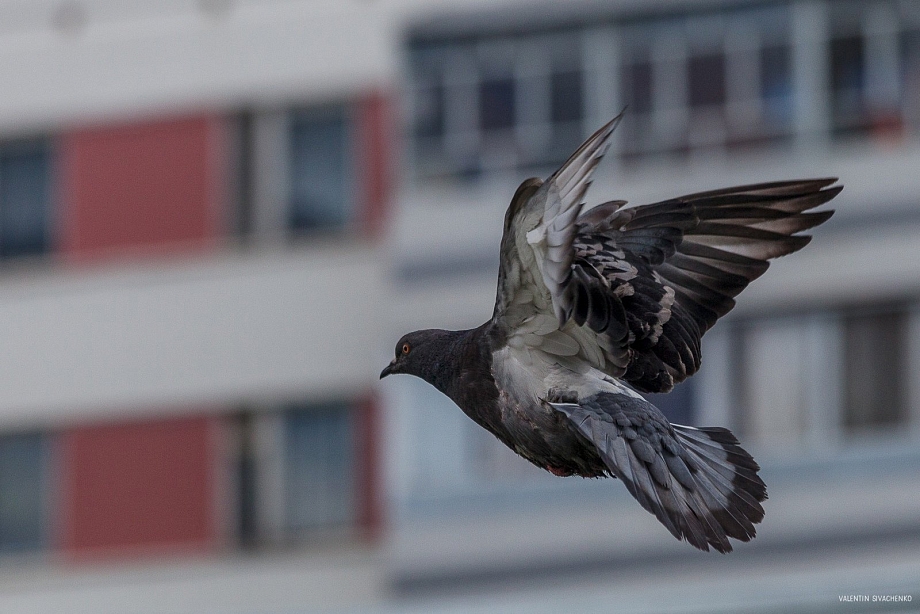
(594, 305)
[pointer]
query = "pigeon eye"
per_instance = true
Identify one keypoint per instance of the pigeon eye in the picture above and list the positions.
(405, 348)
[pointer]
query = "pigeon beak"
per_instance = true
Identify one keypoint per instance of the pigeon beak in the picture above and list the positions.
(388, 369)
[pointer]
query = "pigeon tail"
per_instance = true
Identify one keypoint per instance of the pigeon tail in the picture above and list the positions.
(699, 483)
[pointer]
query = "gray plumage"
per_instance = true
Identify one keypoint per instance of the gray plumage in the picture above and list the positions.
(593, 305)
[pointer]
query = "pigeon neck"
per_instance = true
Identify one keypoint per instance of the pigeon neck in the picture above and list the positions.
(445, 360)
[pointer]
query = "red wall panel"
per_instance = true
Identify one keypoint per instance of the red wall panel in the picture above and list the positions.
(139, 487)
(141, 187)
(375, 149)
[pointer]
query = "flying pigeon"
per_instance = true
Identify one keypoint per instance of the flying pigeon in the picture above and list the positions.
(595, 306)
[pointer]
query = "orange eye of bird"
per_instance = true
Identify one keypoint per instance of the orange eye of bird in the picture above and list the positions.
(405, 348)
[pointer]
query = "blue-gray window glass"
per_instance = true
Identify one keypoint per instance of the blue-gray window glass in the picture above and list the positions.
(429, 111)
(566, 103)
(321, 191)
(637, 86)
(23, 485)
(25, 193)
(706, 80)
(847, 55)
(496, 103)
(776, 83)
(875, 379)
(319, 467)
(910, 73)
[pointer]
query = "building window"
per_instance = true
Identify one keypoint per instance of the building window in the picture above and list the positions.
(775, 64)
(910, 77)
(875, 379)
(25, 194)
(310, 170)
(297, 473)
(319, 468)
(321, 170)
(773, 376)
(24, 482)
(566, 97)
(704, 82)
(496, 104)
(637, 86)
(848, 81)
(509, 103)
(429, 111)
(871, 78)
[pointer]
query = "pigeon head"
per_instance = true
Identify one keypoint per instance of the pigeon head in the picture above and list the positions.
(424, 353)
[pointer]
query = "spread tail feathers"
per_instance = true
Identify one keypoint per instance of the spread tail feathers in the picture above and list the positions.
(698, 482)
(727, 480)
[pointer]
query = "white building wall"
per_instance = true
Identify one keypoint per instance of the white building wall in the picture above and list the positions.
(221, 330)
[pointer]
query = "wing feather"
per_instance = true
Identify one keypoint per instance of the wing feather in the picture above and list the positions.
(631, 290)
(706, 248)
(536, 265)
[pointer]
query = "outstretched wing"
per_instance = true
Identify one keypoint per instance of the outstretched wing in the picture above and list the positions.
(677, 265)
(536, 262)
(699, 483)
(632, 290)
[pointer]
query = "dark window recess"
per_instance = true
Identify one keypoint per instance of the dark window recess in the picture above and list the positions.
(429, 112)
(566, 102)
(25, 194)
(910, 54)
(776, 83)
(848, 81)
(320, 169)
(910, 74)
(243, 218)
(847, 63)
(678, 405)
(23, 486)
(874, 355)
(247, 481)
(496, 104)
(637, 83)
(319, 468)
(707, 80)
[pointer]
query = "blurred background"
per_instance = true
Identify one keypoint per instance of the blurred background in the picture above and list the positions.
(218, 216)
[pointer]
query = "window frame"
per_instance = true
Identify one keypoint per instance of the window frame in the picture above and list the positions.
(260, 438)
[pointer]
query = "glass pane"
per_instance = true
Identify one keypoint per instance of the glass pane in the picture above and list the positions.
(321, 170)
(847, 63)
(247, 485)
(910, 77)
(847, 80)
(566, 97)
(24, 199)
(776, 83)
(496, 104)
(319, 468)
(637, 85)
(707, 80)
(874, 353)
(23, 482)
(429, 111)
(774, 380)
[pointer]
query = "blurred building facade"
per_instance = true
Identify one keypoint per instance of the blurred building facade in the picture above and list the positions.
(217, 217)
